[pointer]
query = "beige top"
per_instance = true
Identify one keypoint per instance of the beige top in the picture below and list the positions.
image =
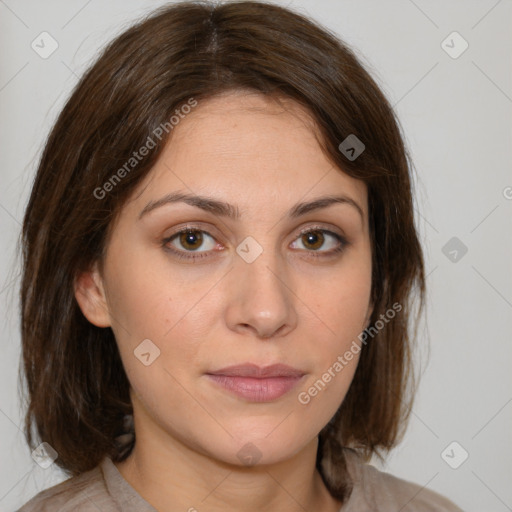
(104, 488)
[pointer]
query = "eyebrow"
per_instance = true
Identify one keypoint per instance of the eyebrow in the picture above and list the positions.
(224, 209)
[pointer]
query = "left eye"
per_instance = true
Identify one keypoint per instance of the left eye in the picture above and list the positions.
(315, 238)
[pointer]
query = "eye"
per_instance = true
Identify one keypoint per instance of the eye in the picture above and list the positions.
(190, 240)
(313, 239)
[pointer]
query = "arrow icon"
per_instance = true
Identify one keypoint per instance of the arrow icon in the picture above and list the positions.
(454, 45)
(40, 453)
(44, 45)
(454, 455)
(454, 249)
(352, 146)
(249, 249)
(147, 352)
(44, 455)
(249, 454)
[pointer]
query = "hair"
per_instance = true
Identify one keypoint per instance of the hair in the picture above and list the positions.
(78, 391)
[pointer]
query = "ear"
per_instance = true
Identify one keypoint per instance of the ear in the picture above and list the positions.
(90, 295)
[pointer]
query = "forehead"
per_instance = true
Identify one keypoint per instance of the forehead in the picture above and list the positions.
(247, 147)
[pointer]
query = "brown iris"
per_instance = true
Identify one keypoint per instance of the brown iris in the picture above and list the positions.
(314, 238)
(191, 239)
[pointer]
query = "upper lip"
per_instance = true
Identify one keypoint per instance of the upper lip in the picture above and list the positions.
(255, 371)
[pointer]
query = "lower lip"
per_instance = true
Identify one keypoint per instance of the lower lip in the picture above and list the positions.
(256, 390)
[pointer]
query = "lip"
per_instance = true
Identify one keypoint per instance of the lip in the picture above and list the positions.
(255, 383)
(253, 370)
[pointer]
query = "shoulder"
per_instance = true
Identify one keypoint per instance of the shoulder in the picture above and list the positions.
(380, 491)
(83, 493)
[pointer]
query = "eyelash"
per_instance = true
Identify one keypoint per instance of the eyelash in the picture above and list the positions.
(343, 243)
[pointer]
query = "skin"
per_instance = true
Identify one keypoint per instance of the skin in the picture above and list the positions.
(284, 307)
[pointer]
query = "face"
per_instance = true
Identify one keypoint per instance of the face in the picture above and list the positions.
(267, 284)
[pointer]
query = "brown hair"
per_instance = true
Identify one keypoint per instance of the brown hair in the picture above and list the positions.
(78, 390)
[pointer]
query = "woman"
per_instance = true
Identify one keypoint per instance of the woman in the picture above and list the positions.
(219, 265)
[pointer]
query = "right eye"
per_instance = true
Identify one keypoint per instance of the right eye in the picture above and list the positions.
(190, 239)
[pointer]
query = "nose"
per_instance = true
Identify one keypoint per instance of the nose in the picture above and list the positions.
(260, 299)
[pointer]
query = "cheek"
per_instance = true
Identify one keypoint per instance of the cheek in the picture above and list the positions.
(148, 298)
(341, 308)
(334, 354)
(341, 300)
(161, 311)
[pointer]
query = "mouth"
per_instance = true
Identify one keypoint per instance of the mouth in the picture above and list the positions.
(255, 383)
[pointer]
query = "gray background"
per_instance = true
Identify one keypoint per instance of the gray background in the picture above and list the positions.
(456, 114)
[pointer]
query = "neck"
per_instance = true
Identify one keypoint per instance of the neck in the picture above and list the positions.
(172, 476)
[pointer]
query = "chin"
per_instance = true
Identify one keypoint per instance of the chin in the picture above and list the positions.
(260, 443)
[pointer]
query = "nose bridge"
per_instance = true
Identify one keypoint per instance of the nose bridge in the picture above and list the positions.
(262, 299)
